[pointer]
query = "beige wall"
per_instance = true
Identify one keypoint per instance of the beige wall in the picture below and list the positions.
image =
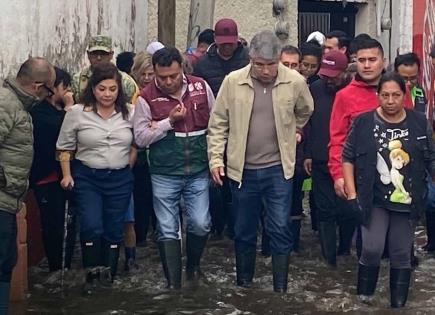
(251, 16)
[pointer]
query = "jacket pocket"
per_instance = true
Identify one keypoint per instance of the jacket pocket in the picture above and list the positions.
(200, 114)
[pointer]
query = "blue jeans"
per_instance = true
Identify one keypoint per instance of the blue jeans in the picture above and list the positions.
(270, 185)
(167, 191)
(102, 197)
(430, 207)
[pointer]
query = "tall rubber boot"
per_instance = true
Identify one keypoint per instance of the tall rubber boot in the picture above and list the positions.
(295, 227)
(399, 286)
(345, 235)
(5, 288)
(367, 279)
(91, 257)
(109, 257)
(430, 231)
(328, 236)
(194, 249)
(280, 272)
(130, 258)
(245, 267)
(170, 254)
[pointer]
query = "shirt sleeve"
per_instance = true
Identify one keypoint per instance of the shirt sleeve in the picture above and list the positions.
(67, 140)
(338, 127)
(349, 146)
(144, 132)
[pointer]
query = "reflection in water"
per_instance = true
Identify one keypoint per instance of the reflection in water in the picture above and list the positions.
(313, 287)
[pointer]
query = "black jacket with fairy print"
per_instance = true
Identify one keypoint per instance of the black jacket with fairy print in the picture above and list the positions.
(360, 150)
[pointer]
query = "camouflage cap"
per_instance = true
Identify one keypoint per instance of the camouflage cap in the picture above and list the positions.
(100, 42)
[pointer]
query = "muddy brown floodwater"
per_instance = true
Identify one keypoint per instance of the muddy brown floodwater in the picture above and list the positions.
(313, 287)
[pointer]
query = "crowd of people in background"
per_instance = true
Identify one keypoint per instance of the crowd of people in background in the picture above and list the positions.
(220, 140)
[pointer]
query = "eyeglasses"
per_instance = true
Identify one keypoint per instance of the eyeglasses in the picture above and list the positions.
(395, 95)
(410, 79)
(50, 92)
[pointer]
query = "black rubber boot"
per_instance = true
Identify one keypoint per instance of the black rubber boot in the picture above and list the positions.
(280, 272)
(5, 288)
(245, 267)
(345, 234)
(110, 257)
(430, 231)
(194, 249)
(130, 258)
(170, 254)
(295, 227)
(328, 236)
(91, 256)
(367, 280)
(399, 286)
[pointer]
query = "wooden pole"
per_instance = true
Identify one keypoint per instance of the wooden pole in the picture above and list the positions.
(166, 22)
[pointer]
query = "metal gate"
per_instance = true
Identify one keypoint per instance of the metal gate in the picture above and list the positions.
(312, 21)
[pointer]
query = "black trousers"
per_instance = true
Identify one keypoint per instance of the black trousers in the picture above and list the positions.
(221, 208)
(8, 245)
(51, 199)
(143, 199)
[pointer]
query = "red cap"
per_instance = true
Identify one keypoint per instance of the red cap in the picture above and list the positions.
(225, 32)
(333, 63)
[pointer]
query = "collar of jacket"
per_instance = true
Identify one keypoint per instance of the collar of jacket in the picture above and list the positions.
(25, 98)
(284, 75)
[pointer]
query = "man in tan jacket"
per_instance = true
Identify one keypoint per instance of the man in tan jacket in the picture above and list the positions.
(256, 114)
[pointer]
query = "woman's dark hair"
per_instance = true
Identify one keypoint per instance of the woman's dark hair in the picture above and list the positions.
(392, 76)
(310, 49)
(105, 71)
(62, 77)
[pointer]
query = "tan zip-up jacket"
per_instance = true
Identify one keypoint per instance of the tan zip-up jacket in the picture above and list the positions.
(229, 121)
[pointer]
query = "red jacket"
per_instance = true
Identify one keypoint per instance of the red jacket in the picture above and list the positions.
(356, 98)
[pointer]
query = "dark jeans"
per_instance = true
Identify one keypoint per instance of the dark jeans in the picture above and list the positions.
(143, 199)
(8, 245)
(397, 228)
(51, 199)
(102, 197)
(266, 184)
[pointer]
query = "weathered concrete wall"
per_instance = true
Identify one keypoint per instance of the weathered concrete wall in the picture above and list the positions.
(59, 30)
(251, 16)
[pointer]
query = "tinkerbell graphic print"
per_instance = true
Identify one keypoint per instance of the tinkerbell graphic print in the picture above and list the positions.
(392, 160)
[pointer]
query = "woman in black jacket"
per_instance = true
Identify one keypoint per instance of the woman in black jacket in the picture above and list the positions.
(47, 117)
(385, 159)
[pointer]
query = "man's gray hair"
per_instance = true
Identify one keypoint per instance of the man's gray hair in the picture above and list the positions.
(265, 45)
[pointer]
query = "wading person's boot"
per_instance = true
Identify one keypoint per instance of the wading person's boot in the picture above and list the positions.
(430, 231)
(367, 280)
(245, 267)
(280, 272)
(194, 249)
(91, 253)
(110, 257)
(328, 242)
(170, 254)
(399, 286)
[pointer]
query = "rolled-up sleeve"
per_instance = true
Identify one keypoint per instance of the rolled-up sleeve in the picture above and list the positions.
(144, 134)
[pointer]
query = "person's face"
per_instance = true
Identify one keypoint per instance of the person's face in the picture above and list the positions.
(330, 44)
(98, 56)
(290, 61)
(59, 93)
(227, 50)
(106, 92)
(409, 73)
(333, 84)
(264, 70)
(369, 64)
(390, 98)
(169, 79)
(146, 76)
(309, 65)
(45, 90)
(397, 162)
(202, 48)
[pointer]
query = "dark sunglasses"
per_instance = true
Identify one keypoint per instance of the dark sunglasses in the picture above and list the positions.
(49, 90)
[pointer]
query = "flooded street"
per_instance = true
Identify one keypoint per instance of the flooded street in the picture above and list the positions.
(313, 287)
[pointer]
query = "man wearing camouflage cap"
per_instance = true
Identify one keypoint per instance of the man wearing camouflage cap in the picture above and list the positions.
(100, 50)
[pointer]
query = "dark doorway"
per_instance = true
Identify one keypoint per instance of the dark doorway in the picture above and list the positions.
(325, 16)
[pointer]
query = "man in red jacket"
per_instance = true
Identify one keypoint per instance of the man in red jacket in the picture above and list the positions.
(358, 97)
